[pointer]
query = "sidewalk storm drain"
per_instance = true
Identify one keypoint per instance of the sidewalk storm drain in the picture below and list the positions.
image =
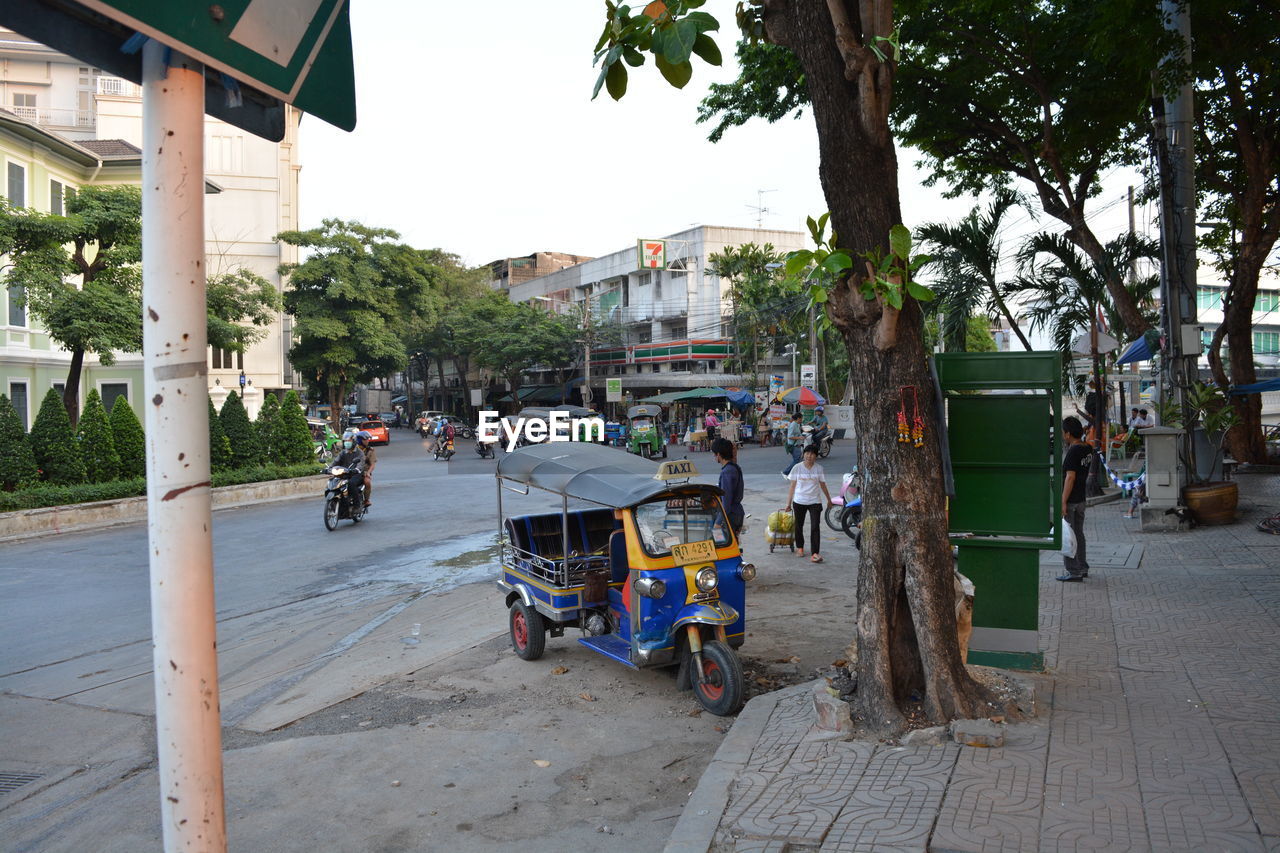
(14, 781)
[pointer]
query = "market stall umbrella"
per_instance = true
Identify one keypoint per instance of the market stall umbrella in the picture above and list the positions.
(802, 395)
(741, 399)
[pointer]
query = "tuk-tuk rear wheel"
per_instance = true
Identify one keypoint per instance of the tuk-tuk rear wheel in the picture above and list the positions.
(528, 631)
(721, 691)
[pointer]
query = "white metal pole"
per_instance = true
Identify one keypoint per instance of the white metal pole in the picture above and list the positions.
(183, 626)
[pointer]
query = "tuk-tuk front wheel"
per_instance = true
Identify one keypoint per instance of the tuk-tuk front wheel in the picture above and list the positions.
(721, 688)
(528, 631)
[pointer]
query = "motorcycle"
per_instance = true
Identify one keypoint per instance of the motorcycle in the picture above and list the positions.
(340, 499)
(485, 448)
(845, 512)
(822, 438)
(444, 449)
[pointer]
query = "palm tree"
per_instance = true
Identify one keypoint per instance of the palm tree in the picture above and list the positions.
(1066, 289)
(966, 259)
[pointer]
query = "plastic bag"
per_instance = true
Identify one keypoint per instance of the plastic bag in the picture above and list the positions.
(1068, 548)
(782, 522)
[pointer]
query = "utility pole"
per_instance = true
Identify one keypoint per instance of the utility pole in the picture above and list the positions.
(586, 353)
(1176, 161)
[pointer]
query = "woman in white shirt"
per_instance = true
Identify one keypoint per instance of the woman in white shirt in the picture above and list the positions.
(808, 486)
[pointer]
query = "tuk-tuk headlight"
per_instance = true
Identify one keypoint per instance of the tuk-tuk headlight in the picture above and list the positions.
(651, 587)
(747, 571)
(706, 579)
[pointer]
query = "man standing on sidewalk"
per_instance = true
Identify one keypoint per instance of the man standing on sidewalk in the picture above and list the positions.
(1075, 468)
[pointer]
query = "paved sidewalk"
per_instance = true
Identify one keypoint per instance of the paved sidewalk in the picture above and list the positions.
(1159, 726)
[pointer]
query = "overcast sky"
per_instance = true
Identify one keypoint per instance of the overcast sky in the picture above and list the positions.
(477, 135)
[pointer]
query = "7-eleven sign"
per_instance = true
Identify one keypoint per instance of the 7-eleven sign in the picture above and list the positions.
(651, 254)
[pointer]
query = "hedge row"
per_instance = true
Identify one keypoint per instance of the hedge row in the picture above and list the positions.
(42, 496)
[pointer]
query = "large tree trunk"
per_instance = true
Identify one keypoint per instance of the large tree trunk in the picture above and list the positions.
(1246, 441)
(71, 393)
(906, 625)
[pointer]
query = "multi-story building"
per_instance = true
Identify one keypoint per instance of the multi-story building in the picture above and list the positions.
(509, 272)
(70, 125)
(674, 322)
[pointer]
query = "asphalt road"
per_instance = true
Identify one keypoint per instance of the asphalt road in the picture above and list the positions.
(73, 594)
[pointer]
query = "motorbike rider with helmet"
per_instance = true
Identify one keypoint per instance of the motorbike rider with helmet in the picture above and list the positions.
(363, 439)
(353, 459)
(819, 426)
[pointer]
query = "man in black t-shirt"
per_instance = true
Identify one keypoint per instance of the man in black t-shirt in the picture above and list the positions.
(1075, 468)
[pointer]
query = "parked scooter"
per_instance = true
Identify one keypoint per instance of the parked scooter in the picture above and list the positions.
(342, 499)
(845, 512)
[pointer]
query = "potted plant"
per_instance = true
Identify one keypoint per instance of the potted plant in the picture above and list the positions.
(1211, 502)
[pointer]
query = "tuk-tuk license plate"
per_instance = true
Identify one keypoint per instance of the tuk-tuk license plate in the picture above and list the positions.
(694, 552)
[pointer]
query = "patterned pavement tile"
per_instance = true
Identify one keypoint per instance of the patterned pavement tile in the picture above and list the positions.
(1259, 782)
(896, 801)
(1112, 820)
(801, 807)
(994, 799)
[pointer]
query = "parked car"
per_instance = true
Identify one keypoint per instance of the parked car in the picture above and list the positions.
(377, 430)
(391, 419)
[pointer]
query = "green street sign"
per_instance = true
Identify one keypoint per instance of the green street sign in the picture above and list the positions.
(291, 51)
(296, 50)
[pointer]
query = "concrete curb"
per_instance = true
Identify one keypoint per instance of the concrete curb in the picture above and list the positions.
(696, 830)
(27, 523)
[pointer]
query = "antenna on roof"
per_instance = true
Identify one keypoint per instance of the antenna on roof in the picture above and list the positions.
(759, 207)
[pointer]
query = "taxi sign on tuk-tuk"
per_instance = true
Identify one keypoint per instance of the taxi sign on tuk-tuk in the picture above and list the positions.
(676, 469)
(694, 552)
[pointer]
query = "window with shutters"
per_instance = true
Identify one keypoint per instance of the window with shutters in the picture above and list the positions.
(16, 190)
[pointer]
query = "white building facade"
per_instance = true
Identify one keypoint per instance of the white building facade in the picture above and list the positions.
(253, 196)
(676, 322)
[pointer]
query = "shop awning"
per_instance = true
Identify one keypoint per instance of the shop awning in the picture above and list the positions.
(535, 394)
(694, 394)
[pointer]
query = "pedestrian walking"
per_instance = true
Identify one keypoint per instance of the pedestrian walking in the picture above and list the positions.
(805, 496)
(730, 481)
(712, 424)
(793, 443)
(1075, 467)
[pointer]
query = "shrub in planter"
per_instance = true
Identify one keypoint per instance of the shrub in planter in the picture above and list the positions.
(295, 445)
(17, 463)
(97, 446)
(245, 450)
(47, 495)
(54, 444)
(131, 443)
(219, 446)
(267, 426)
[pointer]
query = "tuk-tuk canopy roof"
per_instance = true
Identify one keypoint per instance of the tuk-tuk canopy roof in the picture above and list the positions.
(590, 472)
(644, 411)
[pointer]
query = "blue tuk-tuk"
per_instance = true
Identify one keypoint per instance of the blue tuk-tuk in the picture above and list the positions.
(649, 570)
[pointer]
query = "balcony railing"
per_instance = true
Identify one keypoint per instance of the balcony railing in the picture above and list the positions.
(118, 87)
(81, 119)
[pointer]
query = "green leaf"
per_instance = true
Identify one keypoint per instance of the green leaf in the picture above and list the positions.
(919, 291)
(677, 75)
(893, 296)
(604, 72)
(822, 224)
(837, 262)
(706, 48)
(703, 22)
(617, 81)
(797, 261)
(813, 230)
(633, 57)
(900, 241)
(919, 261)
(678, 45)
(818, 294)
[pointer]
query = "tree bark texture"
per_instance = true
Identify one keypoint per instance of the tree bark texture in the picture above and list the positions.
(906, 625)
(71, 394)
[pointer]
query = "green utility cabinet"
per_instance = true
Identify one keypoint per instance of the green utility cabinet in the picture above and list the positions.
(1004, 436)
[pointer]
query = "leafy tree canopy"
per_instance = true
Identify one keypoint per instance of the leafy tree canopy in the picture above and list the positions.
(241, 305)
(81, 273)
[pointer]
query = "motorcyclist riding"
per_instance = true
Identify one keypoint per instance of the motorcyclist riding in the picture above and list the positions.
(353, 459)
(819, 425)
(363, 439)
